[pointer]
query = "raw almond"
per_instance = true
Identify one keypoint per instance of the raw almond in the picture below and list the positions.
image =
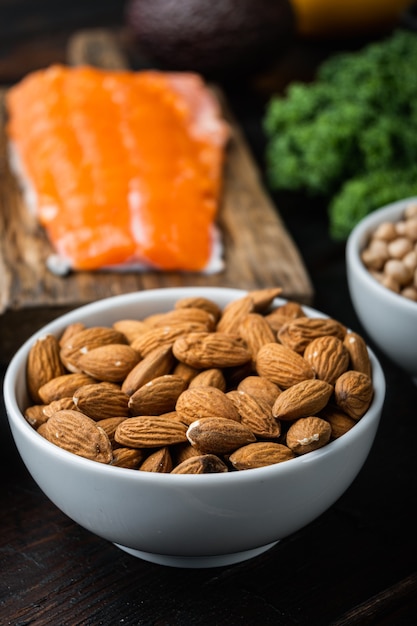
(156, 363)
(99, 401)
(339, 421)
(260, 388)
(206, 350)
(282, 365)
(353, 393)
(109, 425)
(128, 458)
(201, 303)
(162, 336)
(35, 416)
(187, 315)
(87, 339)
(283, 314)
(58, 405)
(263, 298)
(186, 372)
(203, 402)
(43, 364)
(233, 314)
(201, 464)
(298, 333)
(328, 357)
(130, 328)
(77, 433)
(157, 396)
(63, 386)
(150, 431)
(111, 362)
(308, 434)
(216, 435)
(256, 332)
(255, 414)
(212, 377)
(159, 462)
(260, 454)
(302, 399)
(358, 353)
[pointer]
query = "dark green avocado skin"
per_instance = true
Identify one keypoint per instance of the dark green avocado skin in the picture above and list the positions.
(213, 37)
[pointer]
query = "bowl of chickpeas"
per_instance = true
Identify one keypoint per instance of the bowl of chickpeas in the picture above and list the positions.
(381, 264)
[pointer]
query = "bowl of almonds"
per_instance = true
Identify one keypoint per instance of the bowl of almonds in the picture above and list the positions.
(381, 262)
(194, 427)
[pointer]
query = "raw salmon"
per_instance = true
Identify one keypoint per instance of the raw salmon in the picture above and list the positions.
(123, 169)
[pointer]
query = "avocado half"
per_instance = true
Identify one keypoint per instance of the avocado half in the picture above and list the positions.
(213, 38)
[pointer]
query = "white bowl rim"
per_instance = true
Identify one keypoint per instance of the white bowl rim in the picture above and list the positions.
(255, 474)
(355, 243)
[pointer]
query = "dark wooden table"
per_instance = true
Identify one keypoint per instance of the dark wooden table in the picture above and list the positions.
(356, 564)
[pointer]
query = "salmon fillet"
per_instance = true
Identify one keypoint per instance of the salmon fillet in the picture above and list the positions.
(123, 169)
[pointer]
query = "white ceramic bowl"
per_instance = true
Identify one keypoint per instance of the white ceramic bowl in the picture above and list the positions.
(389, 319)
(185, 520)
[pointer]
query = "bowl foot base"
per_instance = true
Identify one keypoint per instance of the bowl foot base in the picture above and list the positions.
(219, 560)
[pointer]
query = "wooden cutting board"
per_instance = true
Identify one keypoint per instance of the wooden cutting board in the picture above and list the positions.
(258, 250)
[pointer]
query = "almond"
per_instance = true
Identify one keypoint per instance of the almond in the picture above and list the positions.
(201, 303)
(263, 298)
(109, 425)
(70, 331)
(157, 396)
(233, 314)
(298, 333)
(43, 364)
(184, 315)
(130, 328)
(35, 416)
(186, 372)
(260, 388)
(282, 366)
(111, 363)
(255, 414)
(81, 342)
(339, 421)
(162, 336)
(328, 357)
(127, 457)
(207, 350)
(308, 434)
(260, 454)
(256, 332)
(283, 314)
(216, 435)
(77, 433)
(159, 462)
(353, 393)
(203, 402)
(358, 353)
(63, 386)
(99, 401)
(156, 363)
(58, 405)
(201, 464)
(302, 399)
(150, 431)
(212, 377)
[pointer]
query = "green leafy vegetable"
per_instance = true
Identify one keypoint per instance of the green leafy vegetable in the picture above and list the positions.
(351, 135)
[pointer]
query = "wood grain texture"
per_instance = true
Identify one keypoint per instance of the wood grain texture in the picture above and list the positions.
(258, 249)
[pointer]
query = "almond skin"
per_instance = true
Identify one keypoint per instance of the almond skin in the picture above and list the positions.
(353, 393)
(358, 353)
(156, 363)
(111, 363)
(282, 365)
(263, 298)
(159, 462)
(100, 401)
(233, 314)
(308, 434)
(63, 386)
(207, 350)
(302, 399)
(215, 435)
(203, 402)
(201, 464)
(256, 332)
(43, 365)
(77, 433)
(260, 454)
(212, 377)
(256, 415)
(150, 431)
(201, 303)
(128, 458)
(260, 388)
(157, 396)
(78, 343)
(165, 336)
(328, 357)
(184, 315)
(298, 333)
